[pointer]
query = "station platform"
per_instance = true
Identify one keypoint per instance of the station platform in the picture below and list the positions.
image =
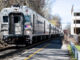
(51, 50)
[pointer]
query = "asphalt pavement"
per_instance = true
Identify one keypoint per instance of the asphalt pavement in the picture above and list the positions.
(50, 50)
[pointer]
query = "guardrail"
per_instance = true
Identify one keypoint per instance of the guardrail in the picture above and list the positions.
(75, 51)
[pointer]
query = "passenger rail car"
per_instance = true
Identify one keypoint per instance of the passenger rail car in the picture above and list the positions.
(21, 25)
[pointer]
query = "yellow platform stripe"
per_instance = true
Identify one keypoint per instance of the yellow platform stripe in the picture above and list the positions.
(36, 52)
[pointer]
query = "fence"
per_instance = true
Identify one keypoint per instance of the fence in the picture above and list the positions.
(75, 51)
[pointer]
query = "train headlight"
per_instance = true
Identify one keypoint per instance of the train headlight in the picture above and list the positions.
(28, 32)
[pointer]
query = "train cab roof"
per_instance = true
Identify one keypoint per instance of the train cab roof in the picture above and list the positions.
(22, 9)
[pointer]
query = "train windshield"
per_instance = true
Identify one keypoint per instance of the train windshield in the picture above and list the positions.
(5, 18)
(16, 19)
(27, 18)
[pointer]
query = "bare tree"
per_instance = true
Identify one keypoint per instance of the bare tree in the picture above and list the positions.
(56, 20)
(37, 5)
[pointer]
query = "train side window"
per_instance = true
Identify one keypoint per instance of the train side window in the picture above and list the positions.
(39, 22)
(27, 18)
(5, 18)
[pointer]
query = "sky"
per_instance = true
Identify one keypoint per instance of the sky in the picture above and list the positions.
(63, 9)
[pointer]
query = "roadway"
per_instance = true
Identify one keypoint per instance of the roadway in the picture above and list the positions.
(50, 50)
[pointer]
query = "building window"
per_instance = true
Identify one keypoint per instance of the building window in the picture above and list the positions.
(76, 14)
(77, 30)
(77, 21)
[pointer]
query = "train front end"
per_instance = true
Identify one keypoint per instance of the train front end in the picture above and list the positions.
(15, 26)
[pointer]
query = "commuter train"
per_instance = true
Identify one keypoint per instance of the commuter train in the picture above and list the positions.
(22, 25)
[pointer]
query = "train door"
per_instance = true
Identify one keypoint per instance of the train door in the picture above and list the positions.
(16, 23)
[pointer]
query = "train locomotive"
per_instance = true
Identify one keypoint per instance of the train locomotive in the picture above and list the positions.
(22, 25)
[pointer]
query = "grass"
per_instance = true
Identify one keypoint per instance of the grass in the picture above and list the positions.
(78, 47)
(71, 53)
